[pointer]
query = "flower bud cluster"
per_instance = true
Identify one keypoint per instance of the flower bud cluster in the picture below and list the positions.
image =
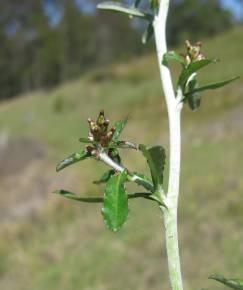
(193, 52)
(99, 133)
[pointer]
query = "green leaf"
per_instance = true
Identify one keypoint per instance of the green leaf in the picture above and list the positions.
(146, 195)
(124, 9)
(74, 196)
(119, 126)
(123, 145)
(115, 208)
(236, 284)
(136, 3)
(146, 183)
(192, 68)
(148, 33)
(154, 4)
(212, 86)
(85, 140)
(194, 99)
(75, 157)
(172, 55)
(105, 177)
(156, 160)
(143, 181)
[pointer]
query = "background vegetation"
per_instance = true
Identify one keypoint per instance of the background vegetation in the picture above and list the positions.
(45, 42)
(47, 242)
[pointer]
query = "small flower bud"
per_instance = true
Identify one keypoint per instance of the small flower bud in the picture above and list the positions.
(193, 52)
(91, 150)
(111, 133)
(90, 136)
(101, 118)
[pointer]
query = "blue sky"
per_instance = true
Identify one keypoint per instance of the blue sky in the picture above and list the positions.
(235, 6)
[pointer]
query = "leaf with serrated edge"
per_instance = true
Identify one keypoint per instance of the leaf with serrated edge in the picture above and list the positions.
(119, 126)
(75, 157)
(156, 160)
(212, 86)
(105, 177)
(124, 9)
(172, 55)
(236, 284)
(115, 207)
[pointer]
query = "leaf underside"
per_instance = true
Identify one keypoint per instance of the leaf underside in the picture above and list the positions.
(148, 33)
(144, 181)
(75, 157)
(105, 177)
(156, 160)
(74, 196)
(236, 284)
(194, 99)
(124, 145)
(124, 9)
(115, 206)
(97, 199)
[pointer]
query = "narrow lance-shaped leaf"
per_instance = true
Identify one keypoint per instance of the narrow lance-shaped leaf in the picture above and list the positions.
(212, 86)
(156, 160)
(119, 126)
(194, 99)
(86, 140)
(124, 9)
(98, 199)
(172, 55)
(148, 33)
(75, 157)
(74, 196)
(115, 207)
(123, 145)
(192, 68)
(236, 284)
(105, 177)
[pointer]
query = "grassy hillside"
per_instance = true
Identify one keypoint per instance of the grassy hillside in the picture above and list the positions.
(50, 243)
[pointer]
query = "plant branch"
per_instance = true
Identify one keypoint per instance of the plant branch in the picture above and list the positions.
(102, 156)
(174, 107)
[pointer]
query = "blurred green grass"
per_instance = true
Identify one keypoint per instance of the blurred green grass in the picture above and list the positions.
(64, 245)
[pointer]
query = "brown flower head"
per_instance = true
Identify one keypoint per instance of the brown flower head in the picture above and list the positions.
(99, 130)
(193, 52)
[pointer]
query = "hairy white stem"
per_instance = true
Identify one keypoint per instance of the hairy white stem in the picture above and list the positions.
(108, 161)
(117, 167)
(174, 107)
